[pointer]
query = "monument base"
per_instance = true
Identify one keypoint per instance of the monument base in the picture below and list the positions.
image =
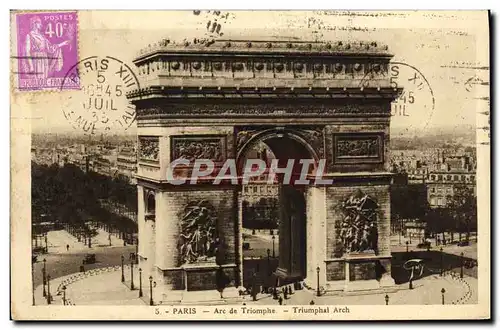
(203, 297)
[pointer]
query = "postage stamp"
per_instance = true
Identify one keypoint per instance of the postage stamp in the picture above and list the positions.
(47, 47)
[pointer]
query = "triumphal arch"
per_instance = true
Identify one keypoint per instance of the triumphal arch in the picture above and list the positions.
(216, 100)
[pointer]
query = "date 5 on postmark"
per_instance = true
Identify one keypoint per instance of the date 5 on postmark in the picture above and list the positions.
(47, 47)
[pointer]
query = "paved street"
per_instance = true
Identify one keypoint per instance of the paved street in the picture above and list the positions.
(60, 264)
(259, 245)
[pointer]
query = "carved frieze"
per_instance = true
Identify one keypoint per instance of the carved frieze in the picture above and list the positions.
(199, 147)
(149, 148)
(358, 227)
(214, 109)
(358, 148)
(199, 239)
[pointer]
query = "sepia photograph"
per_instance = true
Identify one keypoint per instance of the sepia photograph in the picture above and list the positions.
(250, 165)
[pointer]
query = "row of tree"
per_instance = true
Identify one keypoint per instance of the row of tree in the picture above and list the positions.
(69, 196)
(263, 214)
(459, 215)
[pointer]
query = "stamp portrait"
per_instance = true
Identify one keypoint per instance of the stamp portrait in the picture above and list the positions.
(47, 47)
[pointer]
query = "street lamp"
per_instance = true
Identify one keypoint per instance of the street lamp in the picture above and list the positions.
(140, 282)
(33, 279)
(462, 265)
(137, 251)
(274, 254)
(317, 289)
(44, 275)
(48, 290)
(387, 299)
(123, 275)
(64, 295)
(151, 291)
(442, 295)
(254, 288)
(131, 274)
(441, 271)
(407, 246)
(269, 261)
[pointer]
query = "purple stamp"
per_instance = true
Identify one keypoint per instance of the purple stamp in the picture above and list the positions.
(47, 47)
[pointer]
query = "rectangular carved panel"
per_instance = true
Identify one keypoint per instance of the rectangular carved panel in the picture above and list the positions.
(335, 271)
(149, 148)
(358, 148)
(194, 147)
(362, 271)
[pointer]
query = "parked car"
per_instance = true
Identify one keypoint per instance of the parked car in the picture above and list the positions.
(424, 245)
(463, 243)
(89, 259)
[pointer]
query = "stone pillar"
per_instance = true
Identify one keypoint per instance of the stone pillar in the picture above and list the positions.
(141, 221)
(239, 233)
(167, 234)
(316, 235)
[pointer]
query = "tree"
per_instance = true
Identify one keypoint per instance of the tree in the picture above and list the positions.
(463, 209)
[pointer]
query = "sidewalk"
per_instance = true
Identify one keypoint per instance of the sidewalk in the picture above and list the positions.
(103, 237)
(104, 287)
(58, 239)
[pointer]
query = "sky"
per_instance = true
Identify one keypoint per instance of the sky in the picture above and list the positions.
(450, 49)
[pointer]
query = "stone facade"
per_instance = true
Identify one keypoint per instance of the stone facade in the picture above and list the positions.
(216, 100)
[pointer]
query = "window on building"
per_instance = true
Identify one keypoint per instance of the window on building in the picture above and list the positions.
(448, 177)
(472, 177)
(455, 177)
(433, 177)
(463, 177)
(440, 177)
(449, 190)
(433, 190)
(432, 201)
(440, 201)
(254, 190)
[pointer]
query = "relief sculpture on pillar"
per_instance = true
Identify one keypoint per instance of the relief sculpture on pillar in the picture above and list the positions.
(358, 231)
(199, 239)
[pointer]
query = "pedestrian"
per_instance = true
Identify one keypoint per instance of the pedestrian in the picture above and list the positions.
(67, 247)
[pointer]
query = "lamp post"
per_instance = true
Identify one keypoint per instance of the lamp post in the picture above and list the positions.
(33, 280)
(151, 291)
(442, 295)
(44, 276)
(140, 282)
(48, 290)
(64, 295)
(441, 271)
(274, 253)
(407, 246)
(131, 274)
(123, 275)
(317, 289)
(269, 261)
(137, 251)
(254, 287)
(462, 265)
(387, 299)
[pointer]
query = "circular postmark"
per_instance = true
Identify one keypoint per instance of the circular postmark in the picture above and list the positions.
(101, 104)
(414, 107)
